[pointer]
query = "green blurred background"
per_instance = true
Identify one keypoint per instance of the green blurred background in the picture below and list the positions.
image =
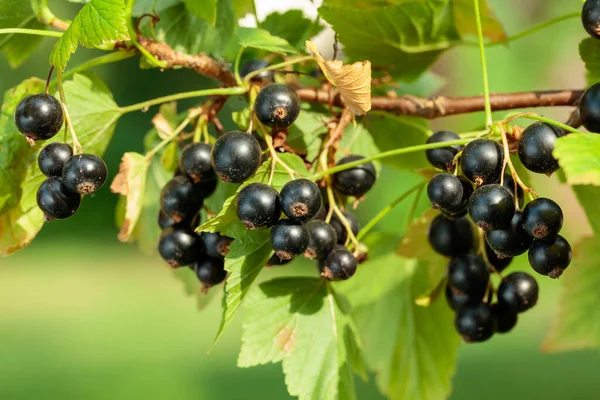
(83, 316)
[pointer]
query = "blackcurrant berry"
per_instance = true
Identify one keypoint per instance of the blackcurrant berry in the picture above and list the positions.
(468, 274)
(474, 323)
(509, 184)
(195, 162)
(322, 239)
(450, 237)
(512, 241)
(275, 261)
(550, 256)
(457, 299)
(340, 229)
(258, 206)
(590, 17)
(339, 265)
(461, 209)
(498, 263)
(84, 173)
(207, 188)
(443, 157)
(215, 245)
(504, 318)
(536, 146)
(164, 221)
(53, 157)
(355, 181)
(277, 105)
(39, 117)
(518, 292)
(210, 271)
(589, 108)
(236, 156)
(255, 65)
(180, 199)
(491, 207)
(289, 238)
(445, 192)
(180, 246)
(56, 201)
(481, 161)
(300, 199)
(542, 218)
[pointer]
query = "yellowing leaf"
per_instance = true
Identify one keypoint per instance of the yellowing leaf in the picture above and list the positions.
(352, 80)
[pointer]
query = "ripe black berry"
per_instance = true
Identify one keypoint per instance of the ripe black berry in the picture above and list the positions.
(481, 161)
(84, 173)
(180, 246)
(215, 245)
(442, 157)
(542, 218)
(300, 199)
(491, 207)
(504, 318)
(461, 209)
(164, 221)
(354, 181)
(275, 261)
(56, 201)
(207, 188)
(258, 206)
(512, 241)
(457, 299)
(550, 256)
(509, 184)
(445, 192)
(195, 162)
(450, 237)
(340, 229)
(210, 271)
(468, 274)
(39, 117)
(180, 199)
(53, 157)
(590, 17)
(339, 265)
(236, 156)
(474, 323)
(498, 263)
(518, 292)
(589, 108)
(289, 238)
(322, 239)
(277, 105)
(536, 146)
(255, 65)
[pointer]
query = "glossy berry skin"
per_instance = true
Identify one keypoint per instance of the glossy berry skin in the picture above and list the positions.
(461, 209)
(164, 221)
(39, 117)
(589, 108)
(195, 162)
(56, 201)
(481, 161)
(210, 271)
(275, 261)
(474, 323)
(518, 292)
(456, 299)
(468, 274)
(207, 188)
(354, 181)
(53, 157)
(536, 146)
(339, 265)
(542, 218)
(322, 239)
(442, 157)
(258, 206)
(491, 207)
(450, 237)
(277, 105)
(255, 65)
(340, 229)
(509, 184)
(512, 241)
(300, 199)
(504, 319)
(84, 173)
(180, 246)
(590, 18)
(445, 192)
(289, 238)
(550, 256)
(180, 199)
(215, 245)
(499, 264)
(236, 156)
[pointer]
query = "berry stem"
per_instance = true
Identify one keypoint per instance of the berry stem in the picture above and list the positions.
(68, 123)
(486, 88)
(333, 206)
(274, 157)
(536, 117)
(236, 67)
(192, 114)
(508, 161)
(291, 61)
(38, 32)
(133, 37)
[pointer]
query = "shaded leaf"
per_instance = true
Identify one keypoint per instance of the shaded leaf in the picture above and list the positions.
(588, 198)
(206, 9)
(579, 157)
(18, 14)
(414, 244)
(307, 132)
(464, 18)
(292, 26)
(261, 39)
(589, 50)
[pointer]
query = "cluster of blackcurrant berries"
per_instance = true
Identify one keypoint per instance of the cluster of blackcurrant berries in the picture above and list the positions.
(40, 117)
(477, 197)
(589, 105)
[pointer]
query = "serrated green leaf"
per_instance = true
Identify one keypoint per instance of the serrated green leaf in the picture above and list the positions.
(18, 14)
(579, 157)
(299, 321)
(291, 26)
(464, 18)
(242, 7)
(358, 140)
(261, 39)
(206, 9)
(148, 6)
(588, 199)
(307, 132)
(589, 50)
(405, 38)
(97, 23)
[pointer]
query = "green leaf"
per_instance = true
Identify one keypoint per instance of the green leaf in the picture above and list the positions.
(307, 132)
(18, 14)
(206, 9)
(97, 23)
(291, 26)
(465, 22)
(148, 6)
(588, 198)
(579, 157)
(577, 325)
(589, 50)
(260, 39)
(405, 38)
(300, 322)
